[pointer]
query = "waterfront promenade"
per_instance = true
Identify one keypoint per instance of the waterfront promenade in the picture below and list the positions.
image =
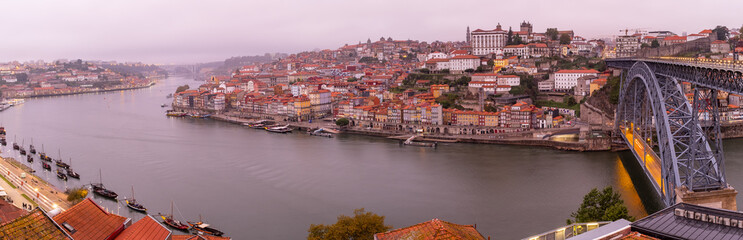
(39, 191)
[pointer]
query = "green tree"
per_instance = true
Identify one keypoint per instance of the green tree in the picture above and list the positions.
(565, 38)
(182, 88)
(552, 33)
(362, 226)
(424, 70)
(721, 32)
(644, 45)
(76, 195)
(490, 108)
(569, 100)
(342, 122)
(509, 37)
(605, 205)
(655, 43)
(352, 79)
(516, 90)
(491, 62)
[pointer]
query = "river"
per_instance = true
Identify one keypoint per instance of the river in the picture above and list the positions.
(253, 184)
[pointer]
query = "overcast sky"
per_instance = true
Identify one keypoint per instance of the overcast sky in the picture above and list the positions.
(183, 31)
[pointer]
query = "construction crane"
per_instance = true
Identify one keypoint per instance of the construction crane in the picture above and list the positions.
(637, 30)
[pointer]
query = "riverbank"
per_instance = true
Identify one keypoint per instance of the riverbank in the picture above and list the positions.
(82, 91)
(520, 138)
(25, 187)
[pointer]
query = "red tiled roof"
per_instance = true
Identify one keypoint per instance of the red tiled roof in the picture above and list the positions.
(432, 230)
(675, 38)
(35, 225)
(466, 57)
(91, 221)
(577, 71)
(8, 212)
(145, 229)
(196, 237)
(705, 31)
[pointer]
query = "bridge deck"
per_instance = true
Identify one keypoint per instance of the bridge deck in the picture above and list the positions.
(648, 159)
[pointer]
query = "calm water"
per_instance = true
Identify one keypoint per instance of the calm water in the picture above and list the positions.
(257, 185)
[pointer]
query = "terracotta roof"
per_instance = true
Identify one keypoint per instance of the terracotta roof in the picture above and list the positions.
(90, 221)
(707, 31)
(675, 38)
(8, 212)
(145, 229)
(196, 237)
(431, 230)
(577, 71)
(465, 57)
(35, 225)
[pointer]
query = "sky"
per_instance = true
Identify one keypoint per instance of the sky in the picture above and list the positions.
(188, 31)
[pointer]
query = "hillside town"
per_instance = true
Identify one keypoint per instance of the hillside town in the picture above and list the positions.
(495, 81)
(63, 77)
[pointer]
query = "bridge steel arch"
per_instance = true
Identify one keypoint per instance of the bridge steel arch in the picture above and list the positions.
(654, 109)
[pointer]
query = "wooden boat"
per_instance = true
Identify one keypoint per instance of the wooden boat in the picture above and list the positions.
(3, 142)
(197, 115)
(23, 151)
(31, 147)
(204, 228)
(2, 131)
(61, 175)
(163, 105)
(279, 129)
(170, 221)
(60, 163)
(99, 189)
(46, 166)
(15, 146)
(72, 173)
(134, 205)
(320, 133)
(29, 158)
(173, 113)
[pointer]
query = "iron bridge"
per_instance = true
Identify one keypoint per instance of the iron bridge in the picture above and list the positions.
(676, 136)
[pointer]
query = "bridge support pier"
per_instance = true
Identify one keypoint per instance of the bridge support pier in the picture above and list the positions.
(722, 198)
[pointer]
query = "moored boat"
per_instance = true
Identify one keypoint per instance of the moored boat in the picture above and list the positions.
(29, 158)
(134, 205)
(3, 142)
(279, 129)
(72, 173)
(46, 166)
(15, 146)
(23, 151)
(101, 190)
(170, 221)
(2, 131)
(173, 113)
(204, 228)
(60, 163)
(61, 175)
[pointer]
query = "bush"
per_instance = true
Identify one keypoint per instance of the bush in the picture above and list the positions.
(362, 226)
(605, 205)
(76, 195)
(342, 122)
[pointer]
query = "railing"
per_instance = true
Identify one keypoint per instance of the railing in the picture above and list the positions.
(718, 63)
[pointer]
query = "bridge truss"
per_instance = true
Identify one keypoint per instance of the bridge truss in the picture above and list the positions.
(676, 138)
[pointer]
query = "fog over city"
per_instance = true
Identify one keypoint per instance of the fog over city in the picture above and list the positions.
(178, 31)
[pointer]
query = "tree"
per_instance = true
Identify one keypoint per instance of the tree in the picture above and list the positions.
(182, 88)
(76, 195)
(569, 100)
(552, 33)
(605, 205)
(644, 45)
(516, 90)
(509, 37)
(655, 43)
(490, 108)
(342, 122)
(362, 226)
(721, 32)
(424, 70)
(491, 62)
(469, 70)
(565, 38)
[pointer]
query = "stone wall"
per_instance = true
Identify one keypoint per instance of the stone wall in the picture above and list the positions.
(702, 44)
(594, 116)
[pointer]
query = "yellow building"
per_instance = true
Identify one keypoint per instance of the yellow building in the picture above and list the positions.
(437, 90)
(302, 107)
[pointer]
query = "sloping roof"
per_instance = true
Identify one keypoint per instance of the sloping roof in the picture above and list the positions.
(604, 231)
(197, 237)
(577, 71)
(431, 230)
(686, 221)
(90, 221)
(35, 225)
(8, 212)
(145, 228)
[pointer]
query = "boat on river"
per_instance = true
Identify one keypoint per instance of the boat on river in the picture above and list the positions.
(61, 175)
(204, 228)
(134, 205)
(31, 147)
(46, 166)
(320, 133)
(410, 142)
(29, 158)
(170, 221)
(174, 113)
(60, 163)
(279, 129)
(2, 131)
(3, 142)
(102, 191)
(72, 173)
(199, 115)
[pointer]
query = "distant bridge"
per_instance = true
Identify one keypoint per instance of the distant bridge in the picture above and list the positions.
(675, 137)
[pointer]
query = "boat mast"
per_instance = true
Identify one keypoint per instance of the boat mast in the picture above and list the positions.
(100, 176)
(132, 192)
